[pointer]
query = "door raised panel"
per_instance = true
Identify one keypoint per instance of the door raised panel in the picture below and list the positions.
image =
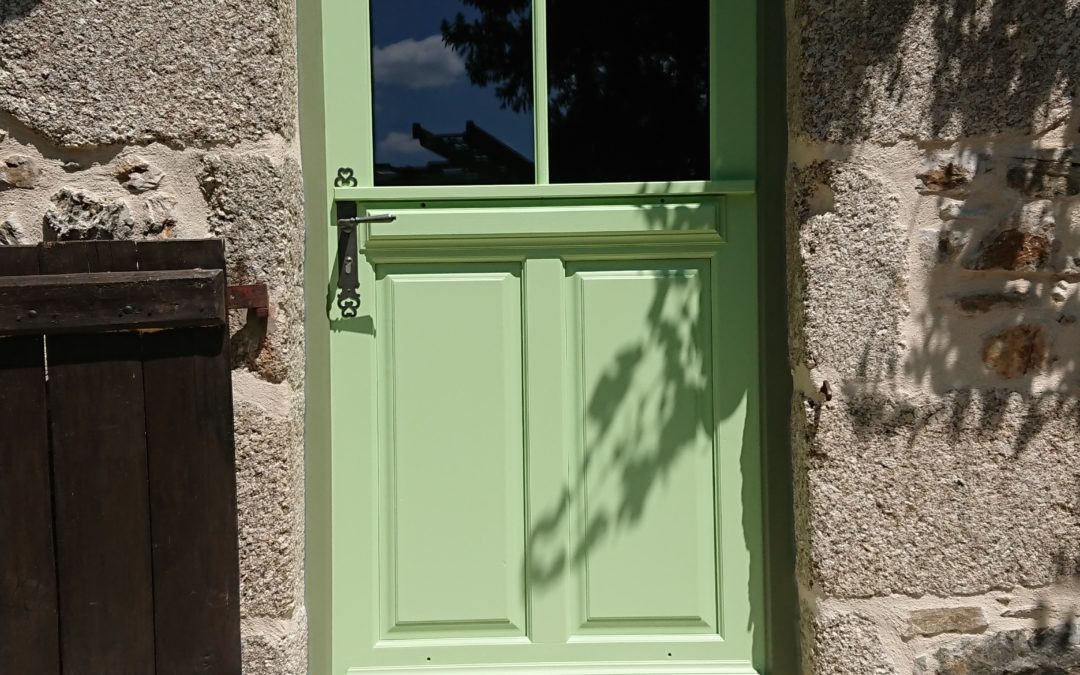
(451, 456)
(644, 533)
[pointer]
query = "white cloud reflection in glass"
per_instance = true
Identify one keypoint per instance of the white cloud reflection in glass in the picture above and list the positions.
(434, 123)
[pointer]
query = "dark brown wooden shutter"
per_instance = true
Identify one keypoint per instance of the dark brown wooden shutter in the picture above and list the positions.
(118, 535)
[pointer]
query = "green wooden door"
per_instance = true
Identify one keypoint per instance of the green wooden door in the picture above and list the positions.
(545, 448)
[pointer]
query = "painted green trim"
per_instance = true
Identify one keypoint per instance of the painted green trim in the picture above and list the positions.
(540, 94)
(733, 89)
(737, 314)
(609, 191)
(318, 570)
(598, 247)
(347, 73)
(655, 668)
(781, 591)
(703, 220)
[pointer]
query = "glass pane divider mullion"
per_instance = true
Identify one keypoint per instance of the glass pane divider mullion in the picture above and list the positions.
(715, 102)
(366, 112)
(540, 93)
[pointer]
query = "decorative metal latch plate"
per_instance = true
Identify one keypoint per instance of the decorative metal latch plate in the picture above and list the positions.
(348, 299)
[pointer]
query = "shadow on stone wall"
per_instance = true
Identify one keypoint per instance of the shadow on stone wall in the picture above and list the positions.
(13, 9)
(978, 86)
(935, 252)
(1045, 650)
(886, 70)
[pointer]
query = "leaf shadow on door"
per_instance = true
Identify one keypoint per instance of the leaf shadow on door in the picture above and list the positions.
(653, 405)
(635, 435)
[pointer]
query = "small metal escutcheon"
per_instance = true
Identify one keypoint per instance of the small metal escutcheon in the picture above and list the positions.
(348, 299)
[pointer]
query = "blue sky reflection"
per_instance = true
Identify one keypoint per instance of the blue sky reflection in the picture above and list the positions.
(418, 79)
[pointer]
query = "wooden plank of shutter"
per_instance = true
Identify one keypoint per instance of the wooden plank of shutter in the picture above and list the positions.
(29, 640)
(189, 433)
(95, 393)
(109, 301)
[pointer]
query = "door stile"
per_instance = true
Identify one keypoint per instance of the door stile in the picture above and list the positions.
(732, 87)
(547, 540)
(385, 469)
(347, 72)
(354, 471)
(739, 470)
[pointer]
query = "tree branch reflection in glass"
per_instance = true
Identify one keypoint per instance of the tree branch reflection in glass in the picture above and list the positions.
(438, 121)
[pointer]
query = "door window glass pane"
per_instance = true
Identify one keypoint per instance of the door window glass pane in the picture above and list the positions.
(452, 91)
(628, 90)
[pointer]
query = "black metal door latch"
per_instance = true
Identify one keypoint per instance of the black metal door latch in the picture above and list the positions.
(348, 299)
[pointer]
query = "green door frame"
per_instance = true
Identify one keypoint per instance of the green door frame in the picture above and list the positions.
(333, 49)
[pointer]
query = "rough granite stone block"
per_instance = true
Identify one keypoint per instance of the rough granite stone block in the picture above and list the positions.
(19, 171)
(76, 214)
(938, 620)
(275, 647)
(184, 72)
(256, 204)
(1049, 651)
(846, 644)
(886, 70)
(12, 233)
(1016, 351)
(270, 498)
(1050, 176)
(852, 264)
(954, 495)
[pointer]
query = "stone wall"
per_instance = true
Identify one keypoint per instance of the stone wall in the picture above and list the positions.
(934, 263)
(143, 118)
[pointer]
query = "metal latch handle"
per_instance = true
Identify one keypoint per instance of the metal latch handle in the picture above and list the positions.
(377, 218)
(348, 276)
